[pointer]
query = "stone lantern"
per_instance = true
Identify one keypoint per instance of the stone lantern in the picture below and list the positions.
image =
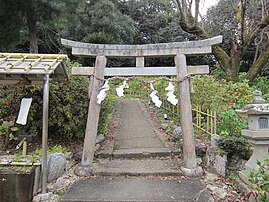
(258, 132)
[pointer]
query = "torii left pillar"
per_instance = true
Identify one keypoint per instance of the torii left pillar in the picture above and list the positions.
(85, 168)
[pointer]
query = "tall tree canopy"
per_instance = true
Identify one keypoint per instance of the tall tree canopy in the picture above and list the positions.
(247, 22)
(32, 19)
(155, 21)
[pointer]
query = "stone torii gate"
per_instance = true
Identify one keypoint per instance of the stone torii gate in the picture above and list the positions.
(178, 50)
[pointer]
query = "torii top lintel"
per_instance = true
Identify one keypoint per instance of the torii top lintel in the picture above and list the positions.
(165, 49)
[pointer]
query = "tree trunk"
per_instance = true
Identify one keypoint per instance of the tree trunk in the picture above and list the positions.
(32, 27)
(232, 71)
(258, 65)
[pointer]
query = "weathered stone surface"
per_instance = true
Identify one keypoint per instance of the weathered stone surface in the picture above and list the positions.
(221, 192)
(210, 177)
(100, 138)
(177, 133)
(200, 149)
(106, 149)
(198, 171)
(97, 147)
(214, 140)
(61, 183)
(42, 197)
(145, 167)
(82, 170)
(137, 189)
(56, 166)
(189, 47)
(215, 162)
(48, 197)
(78, 156)
(142, 152)
(236, 163)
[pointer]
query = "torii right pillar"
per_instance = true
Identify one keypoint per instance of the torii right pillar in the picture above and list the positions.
(190, 167)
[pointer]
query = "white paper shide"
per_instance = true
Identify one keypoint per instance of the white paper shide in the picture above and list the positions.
(155, 99)
(170, 95)
(102, 94)
(120, 89)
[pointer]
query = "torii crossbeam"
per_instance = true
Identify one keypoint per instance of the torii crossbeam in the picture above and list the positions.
(178, 50)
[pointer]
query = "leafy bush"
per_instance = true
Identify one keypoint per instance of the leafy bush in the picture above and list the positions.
(261, 83)
(235, 146)
(68, 107)
(107, 109)
(230, 123)
(7, 130)
(260, 179)
(36, 155)
(224, 98)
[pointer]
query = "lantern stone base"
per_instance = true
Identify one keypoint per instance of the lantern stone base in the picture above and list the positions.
(260, 142)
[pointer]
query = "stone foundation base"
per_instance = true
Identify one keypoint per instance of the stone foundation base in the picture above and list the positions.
(83, 170)
(198, 171)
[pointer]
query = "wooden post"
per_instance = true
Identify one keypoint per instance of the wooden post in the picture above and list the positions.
(44, 170)
(93, 113)
(189, 154)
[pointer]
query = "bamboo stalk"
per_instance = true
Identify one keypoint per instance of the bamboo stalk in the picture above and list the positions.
(211, 122)
(215, 122)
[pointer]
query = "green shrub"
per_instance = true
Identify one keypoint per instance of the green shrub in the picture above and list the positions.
(224, 98)
(235, 146)
(260, 179)
(7, 130)
(107, 109)
(68, 107)
(230, 123)
(261, 83)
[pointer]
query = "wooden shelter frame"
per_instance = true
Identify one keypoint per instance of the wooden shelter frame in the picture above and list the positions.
(178, 50)
(23, 68)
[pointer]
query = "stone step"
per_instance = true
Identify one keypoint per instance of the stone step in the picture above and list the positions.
(137, 189)
(138, 167)
(144, 152)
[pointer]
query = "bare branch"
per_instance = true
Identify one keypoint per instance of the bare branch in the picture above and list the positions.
(258, 28)
(197, 2)
(258, 65)
(243, 22)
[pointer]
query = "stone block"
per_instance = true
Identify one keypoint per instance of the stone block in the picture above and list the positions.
(214, 140)
(200, 149)
(56, 166)
(100, 138)
(215, 161)
(177, 133)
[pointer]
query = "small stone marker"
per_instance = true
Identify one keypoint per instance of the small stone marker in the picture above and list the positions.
(56, 166)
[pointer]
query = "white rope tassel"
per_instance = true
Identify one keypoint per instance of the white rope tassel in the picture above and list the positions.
(170, 95)
(120, 89)
(155, 99)
(102, 94)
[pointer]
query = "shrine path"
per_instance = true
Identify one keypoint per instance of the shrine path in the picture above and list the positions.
(135, 172)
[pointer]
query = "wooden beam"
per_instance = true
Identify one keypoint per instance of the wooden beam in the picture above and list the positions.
(140, 71)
